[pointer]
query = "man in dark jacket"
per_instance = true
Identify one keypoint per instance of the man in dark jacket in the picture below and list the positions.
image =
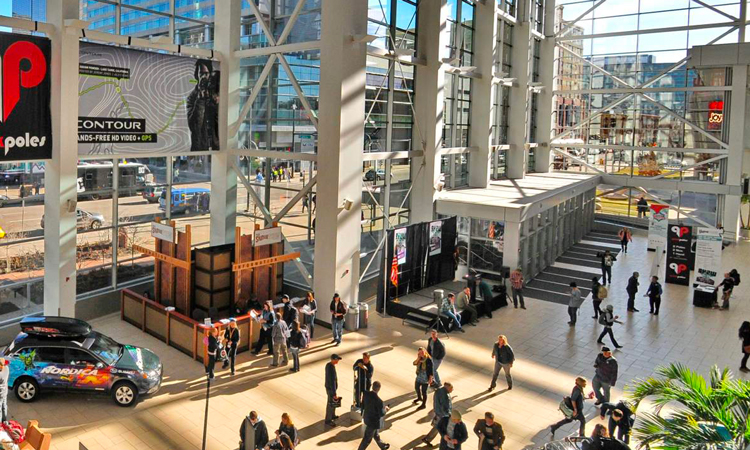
(332, 384)
(605, 376)
(363, 371)
(654, 295)
(632, 289)
(253, 432)
(608, 260)
(374, 411)
(452, 431)
(621, 418)
(489, 432)
(436, 349)
(442, 406)
(290, 312)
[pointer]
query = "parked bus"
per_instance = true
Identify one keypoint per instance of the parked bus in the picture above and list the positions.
(187, 200)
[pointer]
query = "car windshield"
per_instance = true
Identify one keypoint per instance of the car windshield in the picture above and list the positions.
(106, 348)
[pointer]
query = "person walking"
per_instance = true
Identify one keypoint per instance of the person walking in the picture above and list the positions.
(727, 285)
(212, 350)
(253, 432)
(267, 319)
(363, 371)
(575, 302)
(605, 376)
(436, 349)
(453, 432)
(231, 341)
(596, 288)
(442, 406)
(608, 260)
(621, 419)
(516, 287)
(333, 401)
(654, 295)
(424, 369)
(489, 432)
(448, 307)
(575, 403)
(642, 206)
(338, 311)
(625, 237)
(310, 312)
(463, 304)
(504, 357)
(279, 335)
(289, 313)
(632, 289)
(297, 342)
(608, 319)
(373, 413)
(745, 336)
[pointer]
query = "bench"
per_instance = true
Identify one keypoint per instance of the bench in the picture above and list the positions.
(35, 439)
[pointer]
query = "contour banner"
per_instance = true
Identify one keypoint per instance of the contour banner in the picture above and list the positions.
(708, 257)
(26, 121)
(131, 102)
(399, 245)
(657, 226)
(436, 237)
(678, 254)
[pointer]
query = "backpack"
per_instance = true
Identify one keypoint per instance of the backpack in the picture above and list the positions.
(608, 261)
(565, 409)
(603, 319)
(304, 341)
(603, 292)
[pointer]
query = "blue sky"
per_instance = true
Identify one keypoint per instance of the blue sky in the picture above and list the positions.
(6, 9)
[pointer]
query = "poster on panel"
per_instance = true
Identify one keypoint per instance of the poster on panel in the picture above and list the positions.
(399, 245)
(678, 254)
(132, 101)
(708, 257)
(657, 225)
(436, 237)
(26, 125)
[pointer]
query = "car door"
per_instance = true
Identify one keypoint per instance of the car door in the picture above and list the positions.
(47, 365)
(88, 372)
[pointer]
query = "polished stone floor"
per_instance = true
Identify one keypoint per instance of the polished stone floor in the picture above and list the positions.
(550, 354)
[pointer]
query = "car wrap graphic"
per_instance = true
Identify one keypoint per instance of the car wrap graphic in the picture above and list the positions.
(59, 375)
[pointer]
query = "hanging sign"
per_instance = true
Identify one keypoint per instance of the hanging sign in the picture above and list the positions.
(163, 232)
(399, 245)
(708, 257)
(678, 254)
(657, 226)
(267, 236)
(715, 114)
(436, 237)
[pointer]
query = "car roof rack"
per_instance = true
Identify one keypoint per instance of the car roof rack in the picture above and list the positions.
(52, 326)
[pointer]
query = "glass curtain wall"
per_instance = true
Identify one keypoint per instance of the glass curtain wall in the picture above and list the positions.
(501, 99)
(668, 131)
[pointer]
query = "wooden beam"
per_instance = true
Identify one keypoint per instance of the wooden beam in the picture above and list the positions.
(162, 257)
(265, 261)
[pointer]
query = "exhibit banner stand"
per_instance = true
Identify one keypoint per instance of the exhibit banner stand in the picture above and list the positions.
(678, 254)
(657, 226)
(657, 262)
(708, 257)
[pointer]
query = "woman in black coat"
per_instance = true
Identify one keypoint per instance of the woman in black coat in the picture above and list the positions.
(424, 373)
(745, 336)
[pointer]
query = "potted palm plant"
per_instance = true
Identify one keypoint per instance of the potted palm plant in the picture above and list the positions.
(699, 414)
(745, 224)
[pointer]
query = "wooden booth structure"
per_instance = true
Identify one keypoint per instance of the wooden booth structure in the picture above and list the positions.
(197, 289)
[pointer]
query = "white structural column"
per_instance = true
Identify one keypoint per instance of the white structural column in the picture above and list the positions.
(60, 172)
(223, 179)
(512, 245)
(520, 99)
(433, 35)
(340, 144)
(481, 94)
(737, 136)
(547, 78)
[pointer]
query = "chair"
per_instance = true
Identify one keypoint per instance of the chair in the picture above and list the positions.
(35, 439)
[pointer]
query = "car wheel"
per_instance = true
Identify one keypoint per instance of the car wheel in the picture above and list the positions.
(27, 389)
(95, 225)
(188, 211)
(124, 394)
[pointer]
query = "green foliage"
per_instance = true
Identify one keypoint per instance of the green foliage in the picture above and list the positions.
(700, 414)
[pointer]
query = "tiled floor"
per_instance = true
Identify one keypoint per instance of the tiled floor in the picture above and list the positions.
(549, 355)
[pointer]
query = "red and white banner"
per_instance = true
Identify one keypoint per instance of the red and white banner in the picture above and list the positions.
(658, 219)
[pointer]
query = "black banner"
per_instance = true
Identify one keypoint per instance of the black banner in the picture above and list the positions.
(679, 238)
(25, 118)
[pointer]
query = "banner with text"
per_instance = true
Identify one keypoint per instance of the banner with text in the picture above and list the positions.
(399, 245)
(678, 254)
(708, 257)
(436, 237)
(657, 226)
(132, 101)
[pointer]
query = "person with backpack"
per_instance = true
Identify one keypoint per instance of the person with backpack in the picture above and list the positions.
(728, 286)
(605, 376)
(608, 260)
(596, 296)
(621, 418)
(297, 341)
(745, 336)
(253, 432)
(231, 341)
(572, 408)
(608, 319)
(632, 289)
(654, 295)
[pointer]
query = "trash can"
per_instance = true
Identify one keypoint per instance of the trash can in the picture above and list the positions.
(364, 315)
(352, 318)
